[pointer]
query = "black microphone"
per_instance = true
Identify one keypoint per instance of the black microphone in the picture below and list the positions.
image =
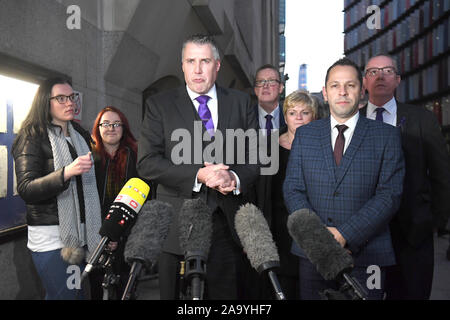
(146, 239)
(331, 260)
(256, 238)
(195, 229)
(120, 216)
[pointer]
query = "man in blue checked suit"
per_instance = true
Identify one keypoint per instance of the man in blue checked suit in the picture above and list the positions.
(349, 170)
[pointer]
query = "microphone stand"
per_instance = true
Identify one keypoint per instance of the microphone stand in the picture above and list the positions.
(181, 275)
(354, 289)
(94, 259)
(350, 289)
(110, 279)
(130, 288)
(195, 270)
(269, 266)
(276, 285)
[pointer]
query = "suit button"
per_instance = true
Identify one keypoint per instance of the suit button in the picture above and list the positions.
(330, 220)
(335, 194)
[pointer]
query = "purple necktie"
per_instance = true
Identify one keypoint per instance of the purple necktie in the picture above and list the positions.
(379, 116)
(339, 145)
(269, 128)
(205, 114)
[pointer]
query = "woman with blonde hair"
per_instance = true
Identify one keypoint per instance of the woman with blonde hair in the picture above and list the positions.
(299, 108)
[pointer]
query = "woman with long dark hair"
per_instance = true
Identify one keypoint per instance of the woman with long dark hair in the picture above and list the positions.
(115, 150)
(56, 179)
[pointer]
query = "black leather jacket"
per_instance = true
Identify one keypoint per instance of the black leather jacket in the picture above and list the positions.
(37, 182)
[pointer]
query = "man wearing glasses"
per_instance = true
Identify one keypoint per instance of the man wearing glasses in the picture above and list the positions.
(425, 202)
(268, 88)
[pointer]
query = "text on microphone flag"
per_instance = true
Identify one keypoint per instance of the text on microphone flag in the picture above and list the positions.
(136, 189)
(130, 201)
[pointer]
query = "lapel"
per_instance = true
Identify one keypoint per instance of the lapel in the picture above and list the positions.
(223, 109)
(357, 139)
(402, 115)
(282, 121)
(257, 115)
(327, 150)
(185, 107)
(363, 111)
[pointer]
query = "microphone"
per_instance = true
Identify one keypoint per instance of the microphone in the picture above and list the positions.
(146, 239)
(121, 214)
(256, 238)
(195, 229)
(331, 260)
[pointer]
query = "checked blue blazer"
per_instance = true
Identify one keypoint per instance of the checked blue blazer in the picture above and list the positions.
(360, 196)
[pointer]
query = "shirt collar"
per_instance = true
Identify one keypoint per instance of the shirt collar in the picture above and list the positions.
(274, 113)
(350, 123)
(390, 107)
(212, 93)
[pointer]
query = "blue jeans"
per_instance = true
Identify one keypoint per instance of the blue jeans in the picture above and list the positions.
(61, 281)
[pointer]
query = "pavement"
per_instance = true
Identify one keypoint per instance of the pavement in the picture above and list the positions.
(148, 287)
(441, 277)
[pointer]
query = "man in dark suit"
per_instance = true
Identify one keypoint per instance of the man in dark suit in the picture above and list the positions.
(224, 185)
(426, 193)
(349, 170)
(268, 88)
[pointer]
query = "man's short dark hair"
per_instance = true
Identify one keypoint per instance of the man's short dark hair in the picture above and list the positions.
(202, 39)
(386, 55)
(345, 62)
(269, 66)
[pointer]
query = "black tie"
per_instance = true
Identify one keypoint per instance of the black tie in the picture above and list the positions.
(340, 142)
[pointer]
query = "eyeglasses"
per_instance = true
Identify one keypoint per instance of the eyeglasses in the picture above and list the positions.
(389, 71)
(106, 125)
(63, 99)
(270, 82)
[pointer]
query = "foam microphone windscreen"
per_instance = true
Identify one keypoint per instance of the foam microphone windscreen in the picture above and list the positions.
(195, 226)
(323, 251)
(124, 209)
(255, 236)
(148, 233)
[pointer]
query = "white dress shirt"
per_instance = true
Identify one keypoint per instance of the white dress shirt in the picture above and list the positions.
(389, 115)
(213, 108)
(348, 133)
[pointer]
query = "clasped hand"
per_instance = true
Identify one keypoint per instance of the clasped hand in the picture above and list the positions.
(339, 238)
(218, 177)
